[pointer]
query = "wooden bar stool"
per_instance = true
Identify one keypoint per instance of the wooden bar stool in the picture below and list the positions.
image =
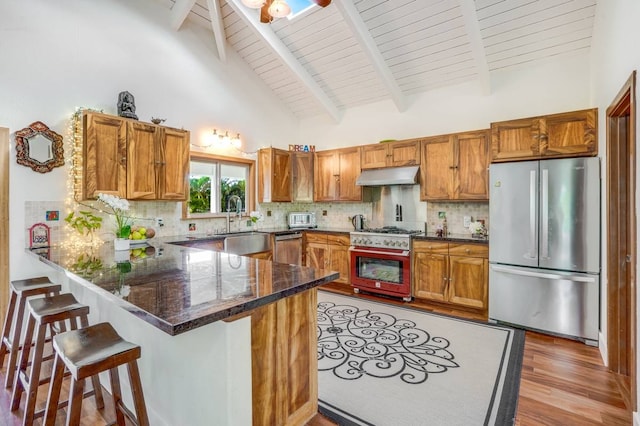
(12, 329)
(48, 312)
(86, 353)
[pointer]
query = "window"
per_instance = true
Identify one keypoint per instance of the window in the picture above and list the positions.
(213, 180)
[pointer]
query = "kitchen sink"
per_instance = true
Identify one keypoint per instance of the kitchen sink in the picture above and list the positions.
(247, 242)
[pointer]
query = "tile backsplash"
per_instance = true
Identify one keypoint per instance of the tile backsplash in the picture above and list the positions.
(328, 215)
(455, 213)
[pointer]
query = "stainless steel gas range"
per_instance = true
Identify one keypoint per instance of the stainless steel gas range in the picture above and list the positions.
(381, 261)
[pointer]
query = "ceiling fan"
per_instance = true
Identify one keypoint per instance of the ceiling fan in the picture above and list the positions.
(270, 9)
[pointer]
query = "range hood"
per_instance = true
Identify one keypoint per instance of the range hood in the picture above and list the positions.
(388, 176)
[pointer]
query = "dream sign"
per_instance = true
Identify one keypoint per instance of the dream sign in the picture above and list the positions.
(302, 148)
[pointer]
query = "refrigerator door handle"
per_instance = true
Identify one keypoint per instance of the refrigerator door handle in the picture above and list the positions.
(545, 215)
(546, 275)
(533, 251)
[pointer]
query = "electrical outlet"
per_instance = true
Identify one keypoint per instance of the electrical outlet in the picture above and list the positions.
(324, 212)
(268, 213)
(467, 221)
(159, 222)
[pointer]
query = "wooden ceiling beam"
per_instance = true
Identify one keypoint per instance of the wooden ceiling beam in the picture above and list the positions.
(370, 48)
(265, 32)
(218, 28)
(180, 11)
(472, 26)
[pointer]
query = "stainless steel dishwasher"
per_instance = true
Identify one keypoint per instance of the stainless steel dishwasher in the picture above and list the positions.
(288, 248)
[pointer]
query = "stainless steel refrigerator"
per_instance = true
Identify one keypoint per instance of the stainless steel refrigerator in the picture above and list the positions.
(544, 250)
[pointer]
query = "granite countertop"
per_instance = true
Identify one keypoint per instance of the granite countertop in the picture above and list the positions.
(176, 288)
(461, 238)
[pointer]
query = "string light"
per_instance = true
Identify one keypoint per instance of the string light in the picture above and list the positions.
(218, 139)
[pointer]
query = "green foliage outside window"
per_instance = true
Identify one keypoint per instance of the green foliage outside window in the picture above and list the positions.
(200, 195)
(229, 187)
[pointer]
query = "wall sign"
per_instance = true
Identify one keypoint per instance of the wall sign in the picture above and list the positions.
(302, 148)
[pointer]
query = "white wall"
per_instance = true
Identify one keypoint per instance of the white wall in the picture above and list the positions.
(57, 56)
(554, 86)
(615, 55)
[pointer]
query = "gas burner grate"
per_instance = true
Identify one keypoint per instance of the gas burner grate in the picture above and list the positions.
(393, 230)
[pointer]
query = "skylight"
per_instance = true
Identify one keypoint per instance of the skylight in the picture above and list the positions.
(299, 6)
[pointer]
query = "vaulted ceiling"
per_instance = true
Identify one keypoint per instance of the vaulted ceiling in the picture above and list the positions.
(355, 52)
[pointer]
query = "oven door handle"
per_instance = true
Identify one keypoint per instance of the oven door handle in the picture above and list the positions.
(404, 253)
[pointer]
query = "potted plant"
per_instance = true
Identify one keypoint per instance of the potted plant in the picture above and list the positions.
(118, 207)
(84, 222)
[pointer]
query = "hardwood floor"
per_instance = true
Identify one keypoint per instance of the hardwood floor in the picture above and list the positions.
(563, 383)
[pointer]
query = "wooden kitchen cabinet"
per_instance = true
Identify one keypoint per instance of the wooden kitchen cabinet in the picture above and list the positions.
(133, 160)
(455, 167)
(285, 176)
(329, 251)
(569, 134)
(390, 154)
(335, 174)
(104, 156)
(284, 365)
(302, 177)
(274, 168)
(452, 273)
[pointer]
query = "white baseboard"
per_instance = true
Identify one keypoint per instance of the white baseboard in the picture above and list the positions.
(636, 419)
(604, 353)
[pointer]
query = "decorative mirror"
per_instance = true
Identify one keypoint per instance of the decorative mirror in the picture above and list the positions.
(39, 147)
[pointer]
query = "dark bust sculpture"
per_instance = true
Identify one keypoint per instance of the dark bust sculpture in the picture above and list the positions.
(127, 105)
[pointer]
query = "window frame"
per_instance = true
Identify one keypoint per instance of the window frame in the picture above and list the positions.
(250, 189)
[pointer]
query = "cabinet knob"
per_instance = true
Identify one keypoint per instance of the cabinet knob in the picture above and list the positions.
(123, 160)
(468, 251)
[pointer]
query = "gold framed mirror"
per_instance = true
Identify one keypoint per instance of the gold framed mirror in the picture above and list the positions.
(39, 147)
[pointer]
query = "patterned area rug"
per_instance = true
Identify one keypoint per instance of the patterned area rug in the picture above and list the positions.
(381, 364)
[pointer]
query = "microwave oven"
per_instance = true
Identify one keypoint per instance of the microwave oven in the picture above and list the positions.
(302, 220)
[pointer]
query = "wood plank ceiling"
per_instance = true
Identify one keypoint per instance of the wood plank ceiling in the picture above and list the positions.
(355, 52)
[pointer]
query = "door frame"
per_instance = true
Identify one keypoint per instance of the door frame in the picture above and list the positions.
(4, 220)
(622, 239)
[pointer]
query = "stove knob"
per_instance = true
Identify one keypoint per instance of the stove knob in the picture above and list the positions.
(367, 241)
(385, 242)
(405, 244)
(394, 243)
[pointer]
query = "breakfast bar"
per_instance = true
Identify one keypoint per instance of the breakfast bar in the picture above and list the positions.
(220, 333)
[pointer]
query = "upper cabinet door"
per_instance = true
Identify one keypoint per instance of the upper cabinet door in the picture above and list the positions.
(274, 166)
(515, 139)
(325, 175)
(281, 176)
(374, 156)
(348, 171)
(391, 154)
(471, 168)
(302, 176)
(436, 168)
(144, 140)
(569, 134)
(173, 167)
(104, 156)
(403, 153)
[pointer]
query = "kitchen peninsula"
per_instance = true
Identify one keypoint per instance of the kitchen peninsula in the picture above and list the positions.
(225, 338)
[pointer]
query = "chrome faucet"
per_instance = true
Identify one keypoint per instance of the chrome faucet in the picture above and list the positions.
(238, 201)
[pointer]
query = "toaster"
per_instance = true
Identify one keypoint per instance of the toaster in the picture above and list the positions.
(301, 220)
